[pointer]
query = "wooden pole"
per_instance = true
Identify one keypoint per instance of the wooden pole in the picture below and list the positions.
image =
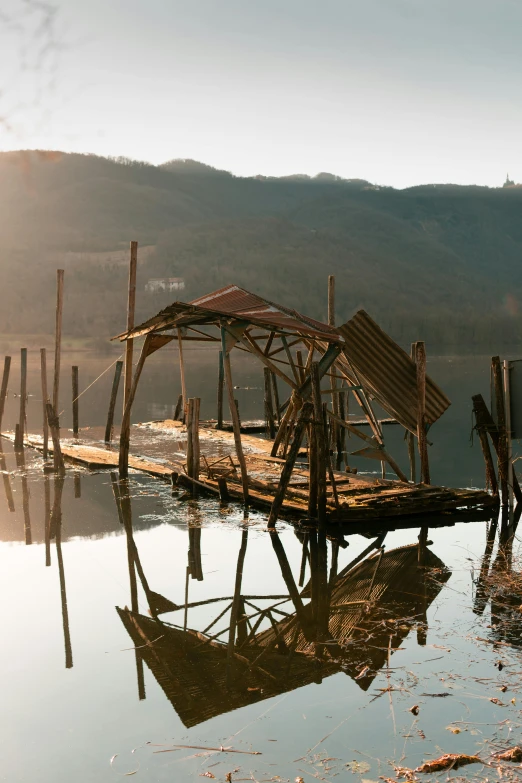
(491, 477)
(221, 383)
(509, 446)
(275, 391)
(286, 473)
(54, 426)
(75, 394)
(58, 338)
(182, 373)
(190, 438)
(503, 459)
(112, 401)
(410, 436)
(123, 462)
(420, 358)
(321, 445)
(333, 378)
(179, 408)
(234, 415)
(269, 409)
(131, 306)
(3, 392)
(45, 400)
(195, 438)
(23, 397)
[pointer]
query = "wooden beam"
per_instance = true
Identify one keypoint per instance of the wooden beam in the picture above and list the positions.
(112, 401)
(420, 360)
(131, 306)
(123, 462)
(58, 337)
(236, 426)
(5, 382)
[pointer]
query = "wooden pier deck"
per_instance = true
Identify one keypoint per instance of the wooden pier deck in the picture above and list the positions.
(359, 498)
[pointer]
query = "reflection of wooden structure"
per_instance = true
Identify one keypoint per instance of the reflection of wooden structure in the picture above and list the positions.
(380, 599)
(357, 358)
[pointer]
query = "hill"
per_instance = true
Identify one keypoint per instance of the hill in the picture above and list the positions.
(440, 262)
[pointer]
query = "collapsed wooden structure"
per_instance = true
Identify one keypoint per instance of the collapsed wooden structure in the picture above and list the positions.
(358, 360)
(383, 598)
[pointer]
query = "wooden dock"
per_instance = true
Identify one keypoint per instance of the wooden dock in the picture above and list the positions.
(349, 498)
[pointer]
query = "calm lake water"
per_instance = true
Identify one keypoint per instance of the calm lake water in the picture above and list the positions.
(77, 694)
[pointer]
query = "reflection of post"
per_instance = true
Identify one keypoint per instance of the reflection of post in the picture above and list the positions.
(287, 575)
(194, 553)
(56, 527)
(236, 603)
(481, 594)
(47, 519)
(77, 484)
(423, 538)
(20, 462)
(7, 481)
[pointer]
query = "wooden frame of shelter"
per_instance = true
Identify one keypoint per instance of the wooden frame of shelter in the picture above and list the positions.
(359, 354)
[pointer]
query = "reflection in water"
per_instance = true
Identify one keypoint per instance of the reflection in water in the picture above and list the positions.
(56, 533)
(7, 481)
(47, 519)
(20, 463)
(274, 644)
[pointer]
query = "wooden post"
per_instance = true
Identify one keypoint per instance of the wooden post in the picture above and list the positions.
(45, 400)
(58, 338)
(23, 397)
(491, 478)
(509, 447)
(131, 306)
(503, 458)
(420, 359)
(275, 391)
(321, 445)
(341, 446)
(269, 409)
(123, 462)
(112, 401)
(54, 426)
(195, 438)
(182, 373)
(190, 439)
(409, 435)
(224, 496)
(179, 408)
(286, 473)
(75, 394)
(333, 379)
(3, 392)
(234, 415)
(221, 383)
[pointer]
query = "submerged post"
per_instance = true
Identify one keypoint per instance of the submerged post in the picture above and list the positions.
(503, 458)
(221, 383)
(112, 402)
(23, 398)
(75, 394)
(45, 400)
(3, 392)
(420, 358)
(131, 306)
(58, 338)
(236, 426)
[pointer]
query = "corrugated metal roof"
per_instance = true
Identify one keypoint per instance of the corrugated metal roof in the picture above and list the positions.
(233, 301)
(388, 372)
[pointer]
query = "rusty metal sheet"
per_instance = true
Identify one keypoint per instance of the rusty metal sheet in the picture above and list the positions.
(388, 372)
(234, 302)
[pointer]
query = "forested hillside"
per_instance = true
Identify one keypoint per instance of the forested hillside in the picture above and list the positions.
(443, 263)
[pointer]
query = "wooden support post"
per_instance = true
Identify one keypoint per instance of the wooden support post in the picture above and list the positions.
(275, 391)
(131, 307)
(75, 395)
(269, 409)
(123, 462)
(410, 436)
(223, 490)
(503, 459)
(300, 366)
(3, 391)
(509, 447)
(220, 388)
(190, 439)
(341, 446)
(331, 300)
(112, 401)
(491, 478)
(286, 473)
(486, 421)
(179, 408)
(312, 470)
(182, 373)
(420, 359)
(236, 426)
(54, 426)
(45, 400)
(321, 445)
(19, 442)
(58, 339)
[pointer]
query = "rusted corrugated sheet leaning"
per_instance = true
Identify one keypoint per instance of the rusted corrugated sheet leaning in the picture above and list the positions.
(388, 372)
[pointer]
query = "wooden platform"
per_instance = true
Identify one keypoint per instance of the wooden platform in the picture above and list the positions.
(360, 498)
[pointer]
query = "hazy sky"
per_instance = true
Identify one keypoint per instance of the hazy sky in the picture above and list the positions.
(395, 91)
